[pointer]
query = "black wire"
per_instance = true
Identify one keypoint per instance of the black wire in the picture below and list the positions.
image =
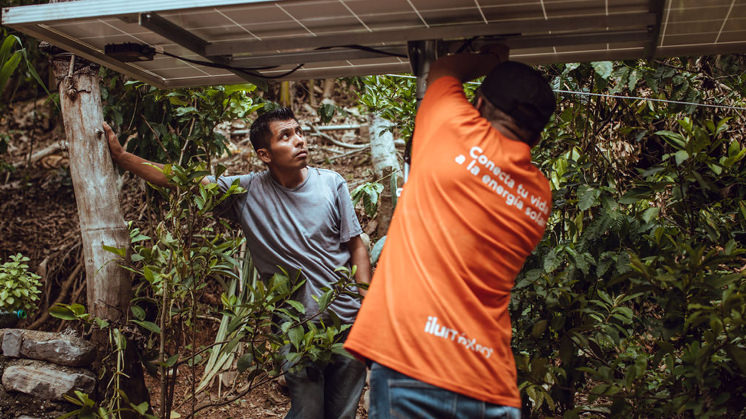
(244, 70)
(466, 44)
(252, 71)
(369, 49)
(279, 76)
(218, 65)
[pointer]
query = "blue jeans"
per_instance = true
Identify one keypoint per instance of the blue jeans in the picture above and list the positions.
(395, 395)
(329, 392)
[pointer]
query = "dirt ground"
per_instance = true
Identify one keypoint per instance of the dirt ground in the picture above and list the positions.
(38, 218)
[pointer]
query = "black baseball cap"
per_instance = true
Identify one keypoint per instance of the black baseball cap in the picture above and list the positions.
(521, 92)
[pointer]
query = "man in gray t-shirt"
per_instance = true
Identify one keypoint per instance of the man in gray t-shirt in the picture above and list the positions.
(300, 219)
(304, 228)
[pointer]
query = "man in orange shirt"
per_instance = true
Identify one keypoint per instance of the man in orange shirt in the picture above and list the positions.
(435, 321)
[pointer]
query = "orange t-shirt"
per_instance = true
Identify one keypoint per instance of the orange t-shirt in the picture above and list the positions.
(473, 209)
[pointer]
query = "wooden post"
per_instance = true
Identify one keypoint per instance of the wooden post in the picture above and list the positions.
(286, 94)
(95, 184)
(101, 222)
(385, 165)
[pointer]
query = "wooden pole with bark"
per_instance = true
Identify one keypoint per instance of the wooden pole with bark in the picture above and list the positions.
(95, 184)
(97, 196)
(385, 166)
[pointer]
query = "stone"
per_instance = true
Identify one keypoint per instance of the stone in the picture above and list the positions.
(46, 381)
(12, 339)
(61, 349)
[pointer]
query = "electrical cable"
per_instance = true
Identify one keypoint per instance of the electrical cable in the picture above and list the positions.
(466, 44)
(214, 64)
(245, 70)
(676, 102)
(252, 71)
(369, 49)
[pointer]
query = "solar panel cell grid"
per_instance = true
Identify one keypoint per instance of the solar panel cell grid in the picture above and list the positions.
(293, 32)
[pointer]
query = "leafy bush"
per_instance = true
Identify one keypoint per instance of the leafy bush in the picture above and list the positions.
(393, 98)
(19, 288)
(12, 55)
(633, 302)
(174, 125)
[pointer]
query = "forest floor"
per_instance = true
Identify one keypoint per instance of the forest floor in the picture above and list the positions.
(38, 218)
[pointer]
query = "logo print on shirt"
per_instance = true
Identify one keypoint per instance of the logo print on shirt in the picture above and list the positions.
(504, 185)
(432, 327)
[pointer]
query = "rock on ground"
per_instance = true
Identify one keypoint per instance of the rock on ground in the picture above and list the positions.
(46, 381)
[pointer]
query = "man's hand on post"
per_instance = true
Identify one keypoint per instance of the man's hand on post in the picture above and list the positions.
(115, 148)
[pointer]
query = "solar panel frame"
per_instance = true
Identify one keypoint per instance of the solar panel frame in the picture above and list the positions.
(260, 33)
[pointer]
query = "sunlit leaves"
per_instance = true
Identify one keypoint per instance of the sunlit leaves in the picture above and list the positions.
(369, 193)
(603, 68)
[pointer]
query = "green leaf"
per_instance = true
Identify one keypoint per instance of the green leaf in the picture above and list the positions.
(121, 252)
(298, 306)
(375, 253)
(538, 328)
(171, 361)
(603, 68)
(138, 312)
(148, 325)
(326, 112)
(650, 214)
(9, 43)
(738, 355)
(8, 68)
(245, 362)
(673, 138)
(62, 311)
(634, 77)
(552, 261)
(296, 335)
(141, 408)
(587, 197)
(681, 156)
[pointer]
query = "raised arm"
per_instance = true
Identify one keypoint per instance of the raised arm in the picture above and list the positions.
(135, 164)
(359, 257)
(468, 66)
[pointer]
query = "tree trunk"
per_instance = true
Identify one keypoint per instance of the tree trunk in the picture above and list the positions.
(286, 94)
(312, 93)
(385, 166)
(101, 222)
(328, 89)
(95, 184)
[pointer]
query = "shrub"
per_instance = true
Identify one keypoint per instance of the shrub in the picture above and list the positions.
(19, 288)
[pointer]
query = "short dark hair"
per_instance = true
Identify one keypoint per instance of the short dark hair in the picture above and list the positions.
(260, 134)
(522, 93)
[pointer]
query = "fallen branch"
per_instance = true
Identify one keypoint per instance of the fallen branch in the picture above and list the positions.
(337, 142)
(12, 185)
(347, 154)
(44, 152)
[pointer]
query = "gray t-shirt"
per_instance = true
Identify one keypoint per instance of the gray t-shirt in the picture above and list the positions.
(305, 228)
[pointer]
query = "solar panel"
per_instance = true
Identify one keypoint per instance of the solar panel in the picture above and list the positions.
(333, 38)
